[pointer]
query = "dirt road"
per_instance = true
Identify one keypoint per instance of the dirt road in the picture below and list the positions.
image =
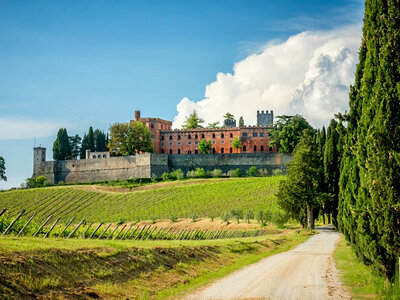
(306, 272)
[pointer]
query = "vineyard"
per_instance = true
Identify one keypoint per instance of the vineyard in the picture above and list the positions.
(208, 198)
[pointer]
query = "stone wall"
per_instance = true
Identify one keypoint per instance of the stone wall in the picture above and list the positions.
(152, 165)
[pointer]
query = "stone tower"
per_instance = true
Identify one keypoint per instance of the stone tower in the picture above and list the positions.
(265, 118)
(39, 157)
(230, 123)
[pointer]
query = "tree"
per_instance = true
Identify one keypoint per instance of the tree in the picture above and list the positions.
(331, 158)
(241, 122)
(100, 144)
(84, 146)
(75, 145)
(204, 146)
(90, 139)
(237, 143)
(300, 193)
(193, 121)
(287, 132)
(213, 125)
(61, 146)
(369, 196)
(2, 169)
(228, 116)
(128, 139)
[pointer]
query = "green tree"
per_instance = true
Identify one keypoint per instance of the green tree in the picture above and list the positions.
(90, 138)
(128, 139)
(100, 143)
(369, 196)
(241, 122)
(287, 132)
(75, 145)
(237, 143)
(300, 192)
(205, 146)
(228, 116)
(2, 169)
(61, 146)
(84, 146)
(213, 125)
(193, 121)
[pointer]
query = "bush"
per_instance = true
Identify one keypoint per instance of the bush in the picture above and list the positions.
(237, 214)
(200, 173)
(194, 218)
(173, 219)
(226, 217)
(216, 173)
(191, 174)
(277, 172)
(231, 173)
(249, 215)
(280, 218)
(263, 172)
(173, 175)
(252, 171)
(238, 173)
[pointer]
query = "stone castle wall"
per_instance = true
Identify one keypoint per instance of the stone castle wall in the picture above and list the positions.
(152, 165)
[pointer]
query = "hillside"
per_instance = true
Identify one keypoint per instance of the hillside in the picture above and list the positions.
(203, 198)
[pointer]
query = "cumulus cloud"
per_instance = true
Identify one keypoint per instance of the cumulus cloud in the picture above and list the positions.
(308, 74)
(12, 128)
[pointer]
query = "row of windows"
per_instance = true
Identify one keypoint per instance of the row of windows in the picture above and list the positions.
(195, 143)
(99, 156)
(244, 149)
(255, 134)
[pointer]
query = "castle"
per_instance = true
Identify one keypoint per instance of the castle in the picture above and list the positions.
(174, 149)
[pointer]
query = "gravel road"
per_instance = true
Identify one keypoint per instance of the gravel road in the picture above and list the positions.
(306, 272)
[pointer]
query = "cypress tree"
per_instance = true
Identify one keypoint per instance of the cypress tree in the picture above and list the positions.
(61, 146)
(241, 121)
(369, 205)
(100, 140)
(84, 146)
(90, 137)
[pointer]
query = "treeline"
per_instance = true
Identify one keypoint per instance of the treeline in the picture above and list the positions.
(74, 147)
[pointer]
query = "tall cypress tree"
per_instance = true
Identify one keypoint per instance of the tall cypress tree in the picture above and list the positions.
(369, 207)
(90, 137)
(61, 146)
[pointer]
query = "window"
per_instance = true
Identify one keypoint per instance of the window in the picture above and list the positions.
(170, 143)
(222, 135)
(162, 150)
(151, 125)
(189, 152)
(213, 142)
(202, 136)
(170, 151)
(255, 134)
(255, 148)
(152, 136)
(222, 150)
(104, 156)
(222, 142)
(99, 156)
(213, 150)
(262, 149)
(196, 151)
(179, 143)
(179, 151)
(262, 134)
(230, 142)
(189, 137)
(231, 135)
(73, 165)
(189, 143)
(230, 150)
(244, 148)
(162, 143)
(94, 156)
(170, 137)
(196, 143)
(244, 133)
(270, 149)
(179, 137)
(196, 136)
(162, 137)
(213, 135)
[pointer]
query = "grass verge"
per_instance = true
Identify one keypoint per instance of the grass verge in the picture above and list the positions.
(361, 280)
(141, 270)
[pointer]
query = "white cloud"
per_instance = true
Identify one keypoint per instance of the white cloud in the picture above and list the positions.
(15, 128)
(308, 74)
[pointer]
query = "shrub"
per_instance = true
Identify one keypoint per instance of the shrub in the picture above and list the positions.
(231, 173)
(252, 171)
(277, 172)
(238, 173)
(249, 215)
(263, 172)
(165, 176)
(191, 174)
(200, 173)
(194, 218)
(216, 173)
(226, 217)
(280, 218)
(237, 214)
(174, 218)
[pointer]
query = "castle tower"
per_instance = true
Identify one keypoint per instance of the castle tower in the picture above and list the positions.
(265, 118)
(137, 115)
(39, 157)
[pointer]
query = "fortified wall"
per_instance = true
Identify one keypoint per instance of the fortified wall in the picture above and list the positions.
(148, 165)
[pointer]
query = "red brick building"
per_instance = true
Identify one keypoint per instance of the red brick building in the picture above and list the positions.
(166, 140)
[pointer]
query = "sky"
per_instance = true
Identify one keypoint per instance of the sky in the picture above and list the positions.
(76, 64)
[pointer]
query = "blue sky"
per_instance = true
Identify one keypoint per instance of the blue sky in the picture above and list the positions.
(91, 63)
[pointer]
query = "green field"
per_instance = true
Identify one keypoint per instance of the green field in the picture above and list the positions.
(203, 198)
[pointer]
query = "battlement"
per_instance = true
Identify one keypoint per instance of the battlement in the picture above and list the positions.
(265, 118)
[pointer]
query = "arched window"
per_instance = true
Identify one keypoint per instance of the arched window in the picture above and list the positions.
(213, 135)
(170, 137)
(270, 149)
(179, 137)
(255, 148)
(222, 150)
(262, 149)
(202, 136)
(189, 137)
(244, 148)
(170, 151)
(94, 156)
(162, 137)
(104, 156)
(162, 150)
(230, 150)
(213, 150)
(99, 156)
(231, 135)
(222, 135)
(151, 125)
(179, 151)
(196, 136)
(196, 151)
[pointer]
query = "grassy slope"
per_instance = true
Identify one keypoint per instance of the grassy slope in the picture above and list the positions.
(121, 269)
(361, 280)
(201, 198)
